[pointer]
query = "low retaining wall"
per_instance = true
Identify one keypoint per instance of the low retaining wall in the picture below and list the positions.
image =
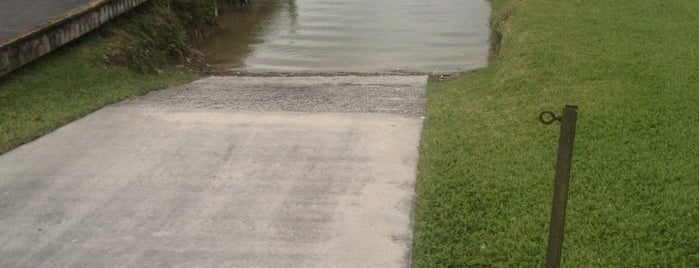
(33, 44)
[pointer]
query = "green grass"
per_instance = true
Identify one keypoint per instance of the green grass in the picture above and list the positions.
(68, 84)
(487, 164)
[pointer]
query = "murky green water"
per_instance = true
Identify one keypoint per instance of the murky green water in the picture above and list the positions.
(430, 36)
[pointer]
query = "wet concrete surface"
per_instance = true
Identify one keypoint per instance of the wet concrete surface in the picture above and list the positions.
(335, 94)
(223, 172)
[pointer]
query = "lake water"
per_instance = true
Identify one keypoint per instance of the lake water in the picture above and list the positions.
(427, 36)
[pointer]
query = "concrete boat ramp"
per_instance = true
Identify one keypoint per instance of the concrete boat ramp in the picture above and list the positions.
(223, 172)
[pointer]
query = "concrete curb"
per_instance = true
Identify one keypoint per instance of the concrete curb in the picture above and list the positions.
(55, 32)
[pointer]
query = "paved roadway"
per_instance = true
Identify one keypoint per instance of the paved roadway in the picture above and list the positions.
(223, 172)
(20, 16)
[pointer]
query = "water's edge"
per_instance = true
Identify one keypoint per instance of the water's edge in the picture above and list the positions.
(353, 36)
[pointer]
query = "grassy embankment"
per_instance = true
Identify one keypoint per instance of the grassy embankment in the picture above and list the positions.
(487, 164)
(129, 56)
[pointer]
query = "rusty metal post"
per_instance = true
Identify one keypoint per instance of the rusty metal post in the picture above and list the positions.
(561, 181)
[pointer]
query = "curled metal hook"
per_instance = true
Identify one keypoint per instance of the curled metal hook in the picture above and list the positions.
(552, 117)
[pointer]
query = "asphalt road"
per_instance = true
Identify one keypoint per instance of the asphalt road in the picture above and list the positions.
(20, 16)
(223, 172)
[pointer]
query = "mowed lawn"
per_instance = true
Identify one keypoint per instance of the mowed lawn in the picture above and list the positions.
(487, 163)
